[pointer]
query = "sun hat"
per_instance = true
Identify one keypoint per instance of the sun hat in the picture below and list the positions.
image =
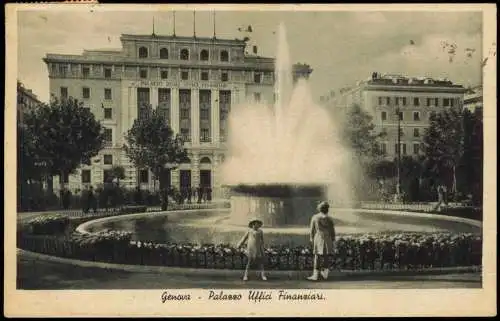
(255, 220)
(323, 207)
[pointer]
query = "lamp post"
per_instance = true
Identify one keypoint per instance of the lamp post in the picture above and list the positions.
(398, 150)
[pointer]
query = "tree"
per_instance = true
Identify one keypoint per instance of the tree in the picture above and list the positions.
(470, 168)
(66, 135)
(359, 133)
(118, 173)
(151, 143)
(444, 144)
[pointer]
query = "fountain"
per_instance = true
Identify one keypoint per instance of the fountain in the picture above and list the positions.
(283, 158)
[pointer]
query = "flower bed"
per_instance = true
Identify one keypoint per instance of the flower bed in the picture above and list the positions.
(48, 224)
(372, 252)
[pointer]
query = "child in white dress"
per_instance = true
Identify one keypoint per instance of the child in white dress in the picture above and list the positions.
(254, 238)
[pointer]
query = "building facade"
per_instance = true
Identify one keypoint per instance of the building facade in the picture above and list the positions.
(195, 82)
(26, 100)
(389, 97)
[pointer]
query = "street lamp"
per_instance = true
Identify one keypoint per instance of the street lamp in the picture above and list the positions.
(398, 150)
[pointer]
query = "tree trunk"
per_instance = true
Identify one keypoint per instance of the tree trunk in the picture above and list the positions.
(454, 185)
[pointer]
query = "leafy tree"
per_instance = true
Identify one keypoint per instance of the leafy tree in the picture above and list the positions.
(444, 145)
(66, 135)
(118, 172)
(359, 133)
(471, 164)
(151, 143)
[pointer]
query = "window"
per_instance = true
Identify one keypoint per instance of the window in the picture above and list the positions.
(108, 113)
(416, 116)
(85, 176)
(164, 74)
(86, 92)
(416, 148)
(205, 135)
(416, 132)
(85, 72)
(108, 159)
(143, 52)
(63, 69)
(224, 76)
(205, 114)
(383, 115)
(383, 148)
(397, 101)
(387, 100)
(436, 102)
(404, 101)
(403, 146)
(184, 54)
(107, 72)
(446, 102)
(204, 75)
(143, 73)
(401, 116)
(257, 78)
(108, 136)
(204, 55)
(185, 75)
(163, 53)
(64, 92)
(452, 102)
(185, 134)
(107, 94)
(428, 102)
(416, 101)
(380, 100)
(144, 176)
(185, 113)
(256, 97)
(224, 55)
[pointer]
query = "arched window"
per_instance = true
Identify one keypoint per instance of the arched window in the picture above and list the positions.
(184, 54)
(224, 55)
(205, 160)
(204, 55)
(143, 52)
(163, 53)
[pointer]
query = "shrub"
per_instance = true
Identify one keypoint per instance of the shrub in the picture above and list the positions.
(49, 224)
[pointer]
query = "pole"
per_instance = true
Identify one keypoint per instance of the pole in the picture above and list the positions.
(398, 189)
(194, 24)
(174, 22)
(214, 22)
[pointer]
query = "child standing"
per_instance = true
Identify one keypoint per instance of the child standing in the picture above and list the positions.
(254, 238)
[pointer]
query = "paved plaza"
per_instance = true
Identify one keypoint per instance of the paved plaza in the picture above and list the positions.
(36, 274)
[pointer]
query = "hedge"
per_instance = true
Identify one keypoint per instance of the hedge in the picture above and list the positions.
(373, 252)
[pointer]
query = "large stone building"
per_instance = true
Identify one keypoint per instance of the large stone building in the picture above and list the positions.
(194, 81)
(26, 100)
(387, 97)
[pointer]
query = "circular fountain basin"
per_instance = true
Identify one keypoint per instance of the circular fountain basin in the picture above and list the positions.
(216, 226)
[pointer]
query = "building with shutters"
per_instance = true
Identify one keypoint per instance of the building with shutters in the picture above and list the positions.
(387, 97)
(26, 100)
(194, 81)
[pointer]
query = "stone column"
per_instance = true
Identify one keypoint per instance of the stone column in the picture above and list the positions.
(195, 117)
(154, 97)
(174, 110)
(174, 178)
(215, 117)
(195, 169)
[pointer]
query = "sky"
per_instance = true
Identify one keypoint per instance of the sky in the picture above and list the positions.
(341, 47)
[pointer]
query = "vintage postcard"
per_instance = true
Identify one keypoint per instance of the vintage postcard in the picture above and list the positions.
(250, 160)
